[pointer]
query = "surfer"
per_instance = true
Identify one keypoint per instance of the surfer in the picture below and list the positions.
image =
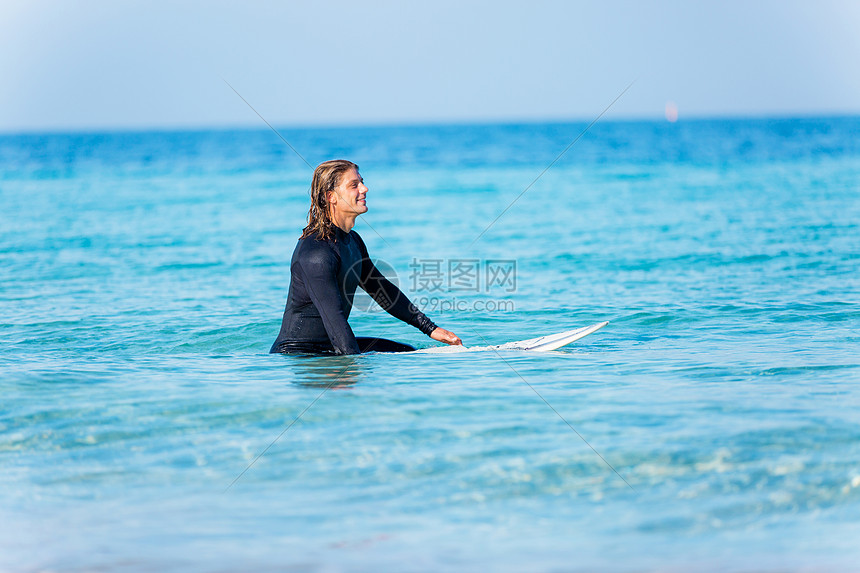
(329, 262)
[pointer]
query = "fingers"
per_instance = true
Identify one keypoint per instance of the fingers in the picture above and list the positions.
(446, 336)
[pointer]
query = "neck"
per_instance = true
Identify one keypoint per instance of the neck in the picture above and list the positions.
(344, 223)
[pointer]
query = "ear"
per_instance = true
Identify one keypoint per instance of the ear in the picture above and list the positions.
(331, 198)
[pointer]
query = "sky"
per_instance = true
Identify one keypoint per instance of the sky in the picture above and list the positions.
(127, 64)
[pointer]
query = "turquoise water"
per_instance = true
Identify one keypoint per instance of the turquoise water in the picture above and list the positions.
(142, 280)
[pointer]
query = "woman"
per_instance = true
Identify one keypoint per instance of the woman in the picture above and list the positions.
(329, 262)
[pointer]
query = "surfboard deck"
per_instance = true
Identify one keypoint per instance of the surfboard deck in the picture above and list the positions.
(539, 344)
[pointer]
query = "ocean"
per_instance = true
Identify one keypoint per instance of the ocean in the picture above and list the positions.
(712, 426)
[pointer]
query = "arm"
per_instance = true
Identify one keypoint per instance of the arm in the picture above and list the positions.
(318, 271)
(397, 304)
(392, 299)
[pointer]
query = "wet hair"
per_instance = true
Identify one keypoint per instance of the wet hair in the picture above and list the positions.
(327, 176)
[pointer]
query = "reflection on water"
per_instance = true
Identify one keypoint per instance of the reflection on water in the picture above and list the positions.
(331, 371)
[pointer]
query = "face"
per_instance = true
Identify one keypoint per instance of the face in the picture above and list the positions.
(350, 196)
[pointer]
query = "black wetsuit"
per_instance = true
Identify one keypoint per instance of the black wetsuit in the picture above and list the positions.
(324, 276)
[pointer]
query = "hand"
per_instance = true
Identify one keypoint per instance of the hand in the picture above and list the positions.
(446, 336)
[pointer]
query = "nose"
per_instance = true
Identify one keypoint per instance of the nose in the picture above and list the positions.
(363, 188)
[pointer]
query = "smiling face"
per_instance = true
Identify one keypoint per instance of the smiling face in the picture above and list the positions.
(349, 198)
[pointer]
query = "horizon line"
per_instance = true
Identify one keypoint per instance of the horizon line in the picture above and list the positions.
(321, 126)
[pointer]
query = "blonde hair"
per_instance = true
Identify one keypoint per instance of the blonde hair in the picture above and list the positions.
(327, 176)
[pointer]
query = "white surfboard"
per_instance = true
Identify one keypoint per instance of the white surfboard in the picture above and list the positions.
(540, 344)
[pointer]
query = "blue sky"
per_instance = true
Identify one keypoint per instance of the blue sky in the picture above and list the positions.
(128, 64)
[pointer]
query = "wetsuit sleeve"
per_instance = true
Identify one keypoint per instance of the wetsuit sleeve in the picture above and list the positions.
(318, 271)
(389, 297)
